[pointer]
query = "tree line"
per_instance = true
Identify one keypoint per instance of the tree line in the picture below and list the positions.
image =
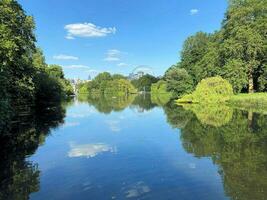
(25, 78)
(118, 85)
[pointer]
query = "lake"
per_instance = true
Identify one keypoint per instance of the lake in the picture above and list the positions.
(135, 148)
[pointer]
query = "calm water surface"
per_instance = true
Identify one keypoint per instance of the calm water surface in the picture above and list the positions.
(131, 148)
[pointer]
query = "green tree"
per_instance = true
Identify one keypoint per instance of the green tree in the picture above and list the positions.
(17, 45)
(179, 82)
(144, 82)
(38, 61)
(118, 76)
(194, 48)
(244, 37)
(55, 71)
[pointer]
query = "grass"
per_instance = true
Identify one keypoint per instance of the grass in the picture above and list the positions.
(255, 101)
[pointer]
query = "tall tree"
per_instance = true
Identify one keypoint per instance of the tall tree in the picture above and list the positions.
(17, 45)
(194, 48)
(244, 37)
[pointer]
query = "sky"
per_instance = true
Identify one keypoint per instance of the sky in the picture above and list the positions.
(87, 37)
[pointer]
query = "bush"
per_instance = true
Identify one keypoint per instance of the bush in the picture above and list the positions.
(210, 90)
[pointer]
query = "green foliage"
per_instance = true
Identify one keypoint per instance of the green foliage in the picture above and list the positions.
(118, 76)
(237, 145)
(119, 87)
(144, 82)
(194, 48)
(159, 93)
(237, 52)
(179, 82)
(256, 101)
(66, 87)
(19, 139)
(107, 104)
(214, 115)
(210, 90)
(23, 76)
(49, 81)
(143, 103)
(55, 71)
(107, 85)
(238, 78)
(48, 89)
(17, 45)
(83, 88)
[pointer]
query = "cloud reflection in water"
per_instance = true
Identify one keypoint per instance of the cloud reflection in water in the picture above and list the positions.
(90, 150)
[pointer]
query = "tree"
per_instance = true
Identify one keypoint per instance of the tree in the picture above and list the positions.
(194, 48)
(118, 76)
(144, 82)
(17, 45)
(38, 61)
(179, 82)
(232, 73)
(237, 52)
(55, 71)
(244, 37)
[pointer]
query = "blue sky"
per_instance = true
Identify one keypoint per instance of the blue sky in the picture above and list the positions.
(91, 36)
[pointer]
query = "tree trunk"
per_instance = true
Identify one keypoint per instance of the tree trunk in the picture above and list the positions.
(250, 82)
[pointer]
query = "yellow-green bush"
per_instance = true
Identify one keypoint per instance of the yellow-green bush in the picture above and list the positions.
(210, 90)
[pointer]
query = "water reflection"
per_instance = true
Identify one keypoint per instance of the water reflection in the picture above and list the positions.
(89, 150)
(235, 140)
(136, 190)
(142, 103)
(214, 115)
(19, 139)
(106, 104)
(145, 167)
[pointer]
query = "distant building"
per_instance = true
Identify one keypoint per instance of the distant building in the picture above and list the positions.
(137, 75)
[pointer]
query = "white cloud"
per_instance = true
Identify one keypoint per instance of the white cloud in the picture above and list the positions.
(194, 11)
(87, 30)
(65, 57)
(113, 55)
(76, 67)
(122, 65)
(89, 150)
(69, 37)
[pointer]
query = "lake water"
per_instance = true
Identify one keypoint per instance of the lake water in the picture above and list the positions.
(132, 148)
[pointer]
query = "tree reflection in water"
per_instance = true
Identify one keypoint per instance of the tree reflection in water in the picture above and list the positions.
(107, 104)
(235, 140)
(19, 139)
